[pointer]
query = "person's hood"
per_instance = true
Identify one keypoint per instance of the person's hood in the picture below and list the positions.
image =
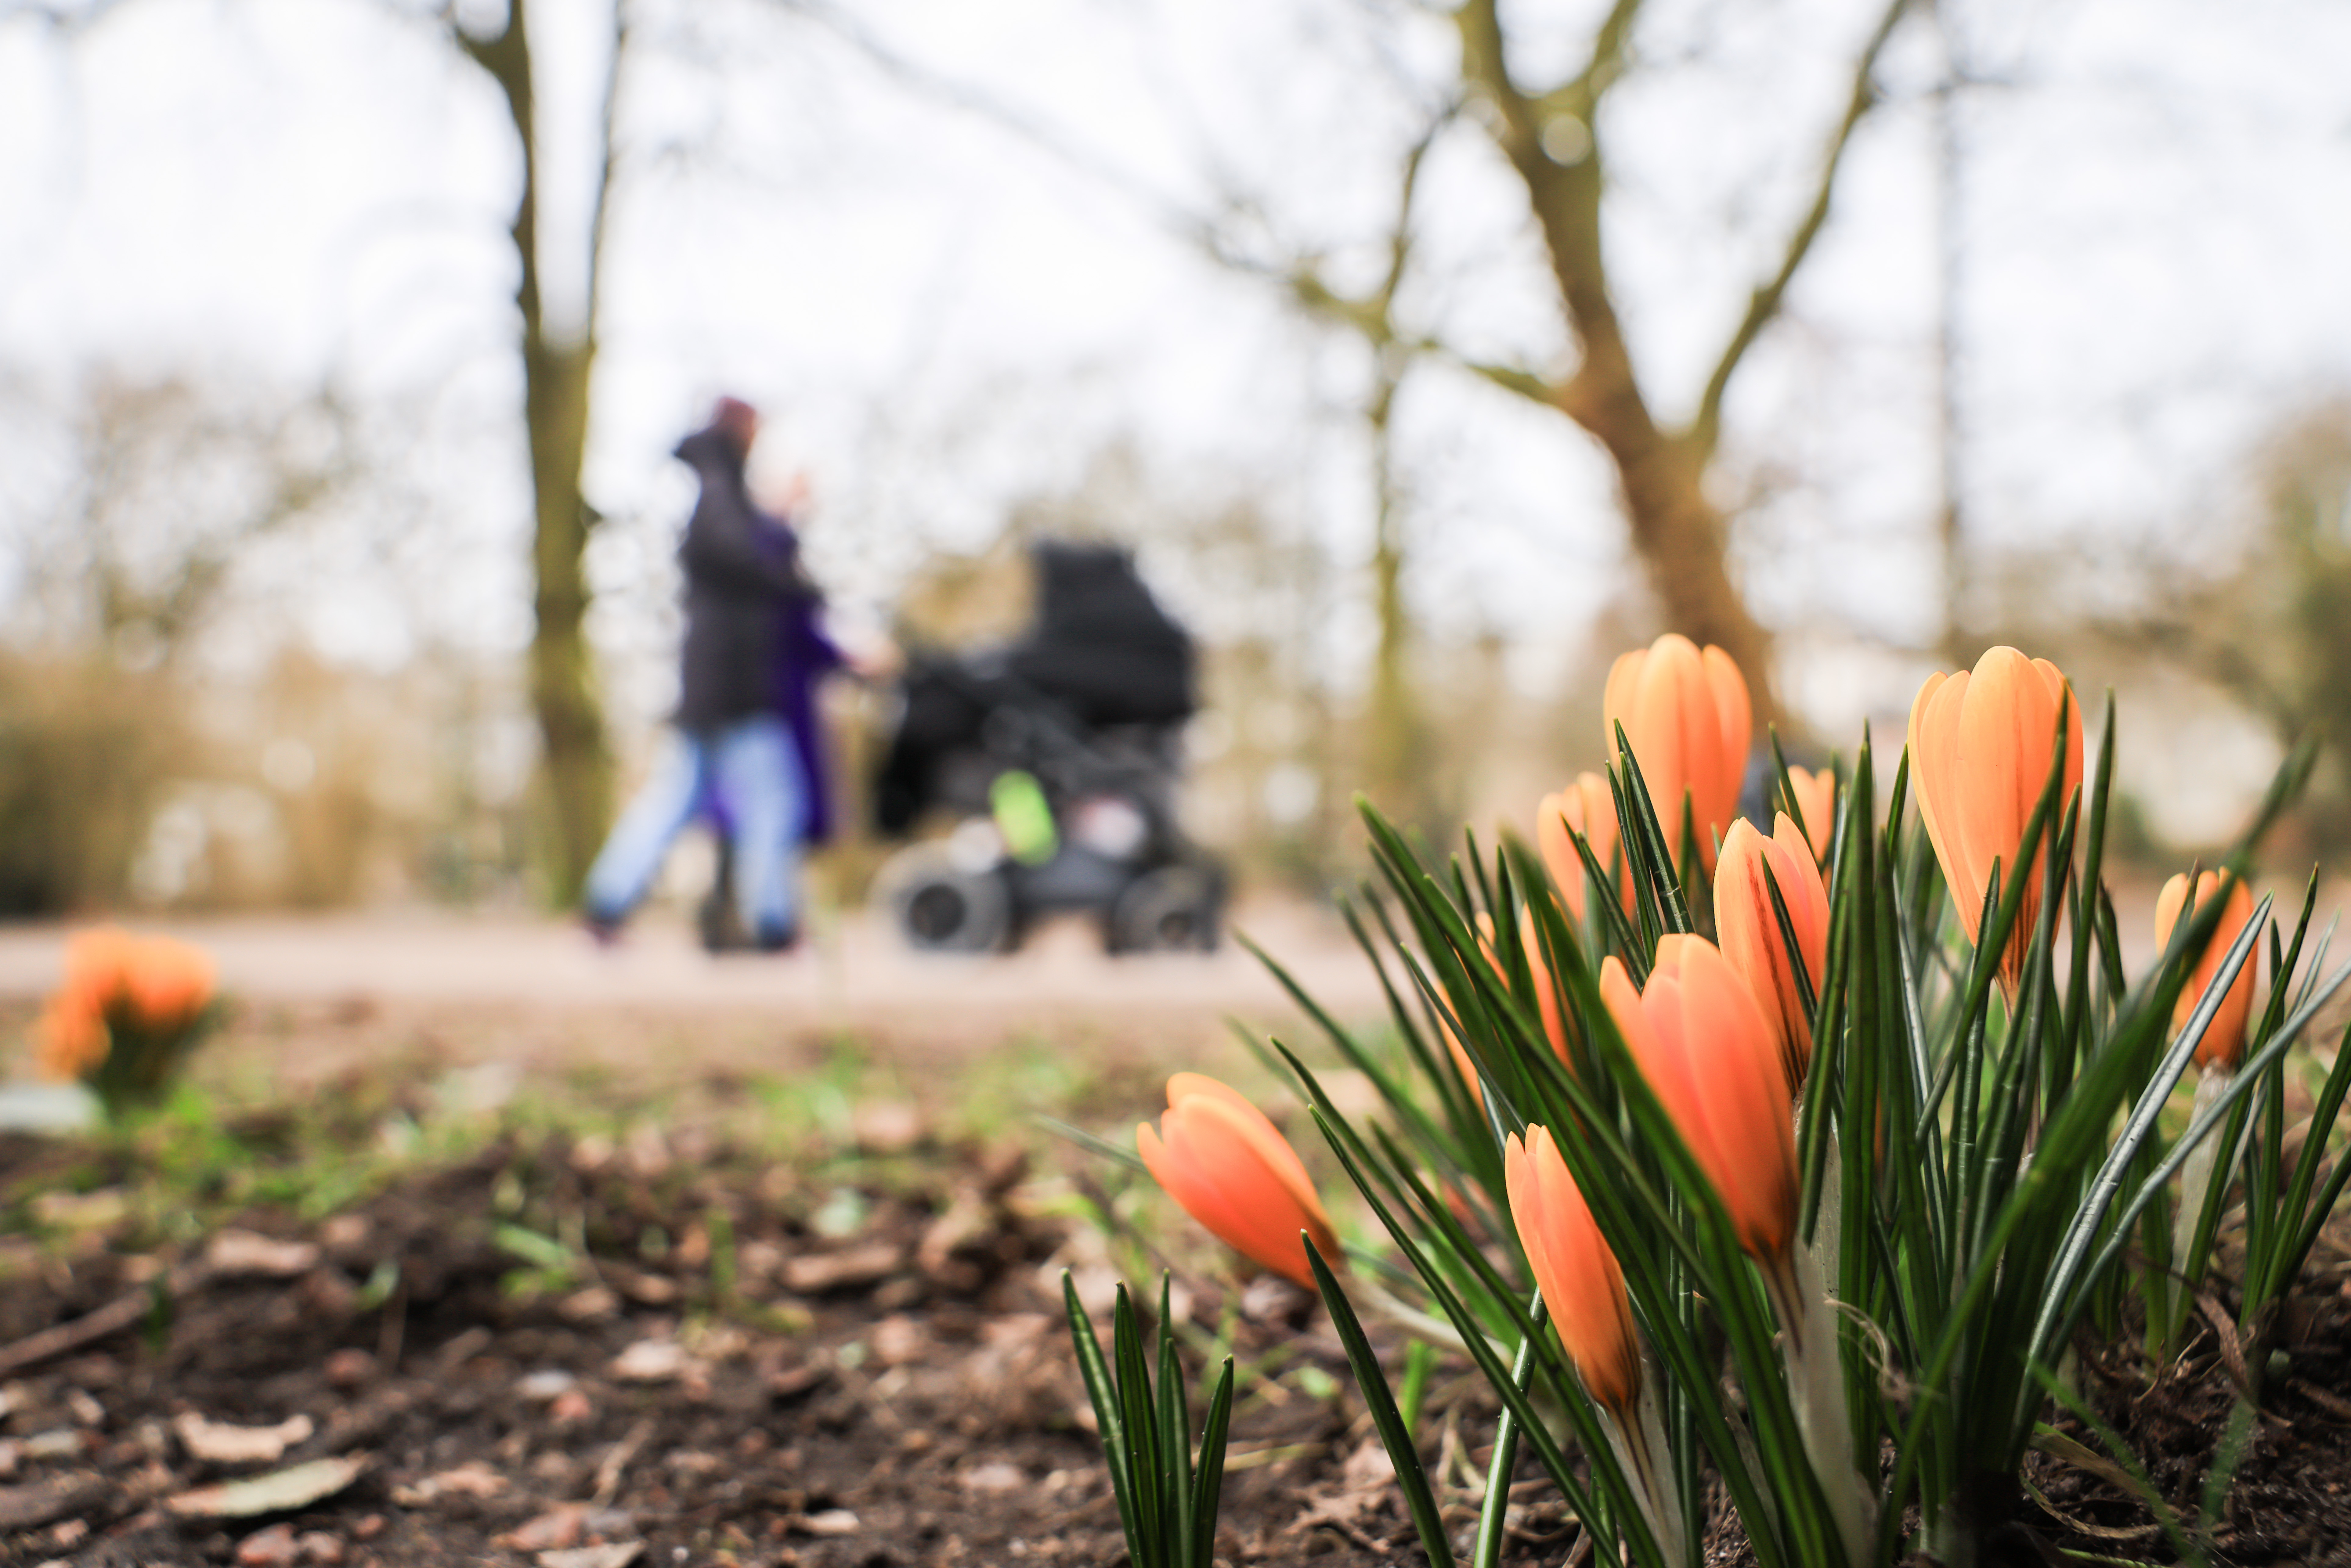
(710, 450)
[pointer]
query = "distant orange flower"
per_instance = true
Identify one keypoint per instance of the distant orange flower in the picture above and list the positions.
(1688, 718)
(1588, 808)
(1581, 1280)
(1748, 929)
(1979, 745)
(1224, 1163)
(2224, 1040)
(68, 1040)
(1709, 1054)
(1816, 799)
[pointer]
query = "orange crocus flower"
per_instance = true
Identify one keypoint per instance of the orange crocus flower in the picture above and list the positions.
(1816, 799)
(1224, 1163)
(1588, 808)
(1688, 718)
(2224, 1041)
(1748, 929)
(160, 984)
(170, 982)
(1979, 754)
(1708, 1053)
(1578, 1274)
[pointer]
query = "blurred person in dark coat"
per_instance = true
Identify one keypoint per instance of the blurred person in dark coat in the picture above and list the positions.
(749, 605)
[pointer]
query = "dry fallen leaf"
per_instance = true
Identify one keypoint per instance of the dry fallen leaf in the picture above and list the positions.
(244, 1252)
(830, 1521)
(812, 1273)
(219, 1443)
(555, 1529)
(650, 1360)
(472, 1478)
(279, 1491)
(619, 1554)
(995, 1476)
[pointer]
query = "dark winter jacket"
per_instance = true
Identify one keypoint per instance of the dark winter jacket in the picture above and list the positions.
(738, 583)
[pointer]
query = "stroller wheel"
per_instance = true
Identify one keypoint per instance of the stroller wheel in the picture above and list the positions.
(1176, 909)
(941, 907)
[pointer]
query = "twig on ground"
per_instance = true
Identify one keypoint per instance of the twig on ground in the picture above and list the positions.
(124, 1311)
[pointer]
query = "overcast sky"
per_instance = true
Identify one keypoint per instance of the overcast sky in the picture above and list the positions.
(943, 316)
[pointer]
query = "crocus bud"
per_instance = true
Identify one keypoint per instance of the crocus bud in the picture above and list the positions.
(1688, 718)
(1546, 991)
(1579, 1275)
(1546, 985)
(1748, 929)
(1588, 808)
(2224, 1040)
(1219, 1157)
(1707, 1053)
(1816, 799)
(1979, 747)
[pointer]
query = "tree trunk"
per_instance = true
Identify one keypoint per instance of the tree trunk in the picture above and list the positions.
(1396, 771)
(573, 758)
(574, 764)
(1679, 536)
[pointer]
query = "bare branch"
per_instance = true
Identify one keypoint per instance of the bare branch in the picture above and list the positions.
(601, 201)
(1763, 305)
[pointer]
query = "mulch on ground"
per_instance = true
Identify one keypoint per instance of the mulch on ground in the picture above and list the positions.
(582, 1351)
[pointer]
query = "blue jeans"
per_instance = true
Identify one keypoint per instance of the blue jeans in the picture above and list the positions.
(750, 765)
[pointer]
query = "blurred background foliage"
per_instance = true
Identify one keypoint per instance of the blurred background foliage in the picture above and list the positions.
(299, 632)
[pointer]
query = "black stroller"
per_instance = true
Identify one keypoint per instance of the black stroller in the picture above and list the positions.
(1059, 755)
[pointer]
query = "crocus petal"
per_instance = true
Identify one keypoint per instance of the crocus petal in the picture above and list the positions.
(1586, 807)
(1816, 799)
(1578, 1275)
(2224, 1038)
(1688, 717)
(1219, 1158)
(1710, 1057)
(1748, 929)
(1980, 751)
(1555, 1023)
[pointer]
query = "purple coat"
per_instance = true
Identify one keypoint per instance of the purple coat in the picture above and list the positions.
(803, 655)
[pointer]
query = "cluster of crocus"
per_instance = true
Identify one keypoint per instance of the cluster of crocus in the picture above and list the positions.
(1975, 1182)
(1686, 714)
(1220, 1157)
(1980, 745)
(125, 1010)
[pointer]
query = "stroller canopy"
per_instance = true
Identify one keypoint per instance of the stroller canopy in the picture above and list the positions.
(1102, 645)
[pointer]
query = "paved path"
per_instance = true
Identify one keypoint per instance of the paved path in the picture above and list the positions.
(858, 974)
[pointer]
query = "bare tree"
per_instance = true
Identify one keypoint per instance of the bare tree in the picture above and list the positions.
(1554, 140)
(557, 367)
